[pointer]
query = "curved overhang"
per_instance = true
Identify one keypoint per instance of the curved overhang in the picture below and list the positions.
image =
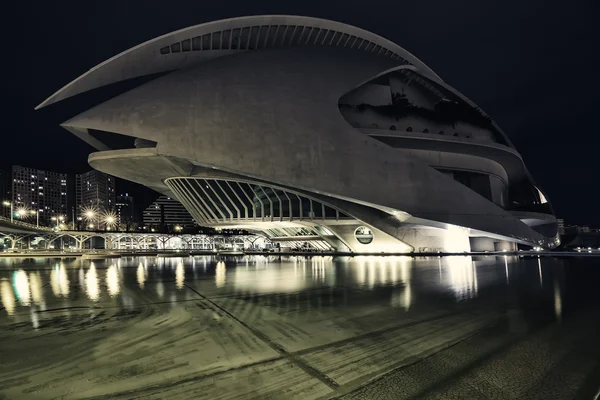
(147, 58)
(506, 156)
(147, 166)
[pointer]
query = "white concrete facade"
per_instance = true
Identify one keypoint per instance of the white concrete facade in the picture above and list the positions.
(314, 130)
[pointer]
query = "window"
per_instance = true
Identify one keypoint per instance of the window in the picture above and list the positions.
(363, 235)
(409, 129)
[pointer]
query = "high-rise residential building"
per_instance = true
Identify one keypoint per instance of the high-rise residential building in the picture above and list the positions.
(44, 192)
(126, 213)
(166, 212)
(94, 190)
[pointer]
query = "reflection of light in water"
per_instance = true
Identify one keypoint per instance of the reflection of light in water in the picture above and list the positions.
(401, 298)
(59, 280)
(220, 274)
(92, 287)
(141, 275)
(21, 283)
(35, 281)
(35, 321)
(112, 281)
(371, 269)
(506, 269)
(81, 276)
(180, 275)
(318, 269)
(375, 270)
(361, 274)
(160, 289)
(557, 301)
(540, 271)
(274, 279)
(7, 297)
(462, 276)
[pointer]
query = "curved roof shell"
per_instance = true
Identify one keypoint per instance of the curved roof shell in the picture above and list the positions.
(204, 42)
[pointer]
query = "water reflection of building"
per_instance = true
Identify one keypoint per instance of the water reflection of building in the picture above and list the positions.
(7, 296)
(261, 276)
(462, 276)
(179, 275)
(112, 281)
(92, 286)
(371, 271)
(59, 281)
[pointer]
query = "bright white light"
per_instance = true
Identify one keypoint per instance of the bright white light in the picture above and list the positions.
(141, 275)
(59, 281)
(21, 283)
(112, 281)
(92, 286)
(220, 274)
(7, 297)
(180, 275)
(456, 239)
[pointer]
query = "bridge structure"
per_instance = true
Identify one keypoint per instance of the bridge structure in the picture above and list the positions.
(19, 233)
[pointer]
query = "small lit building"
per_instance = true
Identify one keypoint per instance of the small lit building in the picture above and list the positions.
(167, 213)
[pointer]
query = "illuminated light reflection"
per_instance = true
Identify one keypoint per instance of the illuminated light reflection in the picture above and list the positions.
(7, 296)
(92, 287)
(35, 282)
(59, 281)
(160, 289)
(402, 298)
(21, 284)
(180, 275)
(112, 281)
(540, 271)
(141, 275)
(506, 269)
(220, 274)
(557, 301)
(462, 274)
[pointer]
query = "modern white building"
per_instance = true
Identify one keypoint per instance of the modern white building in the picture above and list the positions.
(313, 132)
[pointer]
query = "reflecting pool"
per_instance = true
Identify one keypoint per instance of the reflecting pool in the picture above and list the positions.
(300, 327)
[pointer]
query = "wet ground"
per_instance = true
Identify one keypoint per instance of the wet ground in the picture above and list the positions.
(304, 328)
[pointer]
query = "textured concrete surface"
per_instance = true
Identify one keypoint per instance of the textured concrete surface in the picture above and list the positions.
(294, 328)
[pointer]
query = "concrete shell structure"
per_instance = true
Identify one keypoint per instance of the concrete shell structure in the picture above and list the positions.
(317, 134)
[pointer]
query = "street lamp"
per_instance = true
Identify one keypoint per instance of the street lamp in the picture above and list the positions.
(178, 228)
(22, 213)
(59, 220)
(9, 204)
(37, 217)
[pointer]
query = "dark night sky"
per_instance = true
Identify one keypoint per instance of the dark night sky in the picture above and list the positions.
(530, 64)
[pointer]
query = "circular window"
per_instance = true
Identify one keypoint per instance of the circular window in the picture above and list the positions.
(363, 235)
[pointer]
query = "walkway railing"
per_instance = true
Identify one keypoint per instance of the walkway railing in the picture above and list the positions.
(26, 225)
